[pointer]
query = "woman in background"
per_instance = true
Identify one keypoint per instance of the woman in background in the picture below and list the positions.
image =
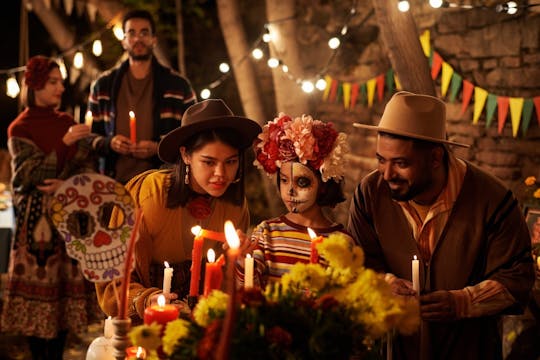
(46, 295)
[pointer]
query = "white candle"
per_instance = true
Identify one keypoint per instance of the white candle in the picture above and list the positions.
(88, 119)
(108, 329)
(167, 278)
(416, 274)
(248, 272)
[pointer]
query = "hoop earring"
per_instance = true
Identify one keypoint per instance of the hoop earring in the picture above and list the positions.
(186, 177)
(237, 180)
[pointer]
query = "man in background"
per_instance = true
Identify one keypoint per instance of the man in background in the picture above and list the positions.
(140, 91)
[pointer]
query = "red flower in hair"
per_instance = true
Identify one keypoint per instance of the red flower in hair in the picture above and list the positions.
(37, 72)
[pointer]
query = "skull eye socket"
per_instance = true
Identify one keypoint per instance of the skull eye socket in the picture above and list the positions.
(111, 216)
(80, 224)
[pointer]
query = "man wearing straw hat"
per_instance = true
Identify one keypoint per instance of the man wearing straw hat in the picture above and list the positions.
(463, 224)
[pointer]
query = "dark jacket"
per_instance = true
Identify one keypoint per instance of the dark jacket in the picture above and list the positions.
(485, 238)
(172, 96)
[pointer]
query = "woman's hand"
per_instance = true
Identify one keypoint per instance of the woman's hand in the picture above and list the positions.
(76, 133)
(49, 186)
(246, 245)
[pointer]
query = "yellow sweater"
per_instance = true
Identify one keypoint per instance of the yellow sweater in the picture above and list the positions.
(164, 235)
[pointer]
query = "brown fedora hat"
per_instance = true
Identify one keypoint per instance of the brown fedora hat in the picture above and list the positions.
(206, 115)
(416, 116)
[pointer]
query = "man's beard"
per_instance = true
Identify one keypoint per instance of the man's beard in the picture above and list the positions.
(141, 57)
(413, 191)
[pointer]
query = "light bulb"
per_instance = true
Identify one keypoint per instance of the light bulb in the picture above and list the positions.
(403, 6)
(257, 53)
(320, 84)
(205, 94)
(307, 86)
(267, 37)
(118, 32)
(333, 43)
(12, 87)
(97, 48)
(435, 3)
(78, 60)
(273, 63)
(224, 67)
(284, 68)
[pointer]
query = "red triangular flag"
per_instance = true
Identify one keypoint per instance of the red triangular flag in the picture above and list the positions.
(436, 65)
(468, 88)
(354, 94)
(502, 105)
(380, 87)
(536, 101)
(333, 91)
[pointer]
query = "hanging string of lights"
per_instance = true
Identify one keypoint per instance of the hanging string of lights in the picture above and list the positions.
(510, 7)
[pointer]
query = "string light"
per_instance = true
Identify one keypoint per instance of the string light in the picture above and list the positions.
(320, 84)
(403, 6)
(334, 43)
(257, 54)
(205, 93)
(97, 48)
(273, 63)
(436, 3)
(224, 67)
(12, 87)
(78, 60)
(118, 32)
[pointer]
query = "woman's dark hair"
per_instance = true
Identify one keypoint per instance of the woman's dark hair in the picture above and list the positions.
(330, 192)
(179, 193)
(28, 96)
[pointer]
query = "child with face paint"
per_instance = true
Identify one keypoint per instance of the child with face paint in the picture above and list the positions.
(308, 158)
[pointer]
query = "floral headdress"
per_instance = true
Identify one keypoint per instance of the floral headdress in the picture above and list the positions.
(305, 140)
(37, 71)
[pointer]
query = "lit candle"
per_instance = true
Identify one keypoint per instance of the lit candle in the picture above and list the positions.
(213, 235)
(314, 256)
(167, 278)
(132, 127)
(212, 274)
(161, 313)
(135, 353)
(232, 254)
(196, 255)
(108, 328)
(88, 119)
(416, 274)
(248, 272)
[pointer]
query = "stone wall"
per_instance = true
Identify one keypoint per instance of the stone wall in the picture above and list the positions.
(499, 53)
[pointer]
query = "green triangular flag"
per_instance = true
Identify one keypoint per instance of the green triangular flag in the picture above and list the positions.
(390, 82)
(491, 105)
(455, 85)
(339, 92)
(526, 115)
(363, 90)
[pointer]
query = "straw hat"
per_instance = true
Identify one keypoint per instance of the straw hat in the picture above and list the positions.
(416, 116)
(206, 115)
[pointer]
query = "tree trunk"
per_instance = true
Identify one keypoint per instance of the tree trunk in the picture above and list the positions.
(180, 38)
(246, 80)
(290, 98)
(400, 36)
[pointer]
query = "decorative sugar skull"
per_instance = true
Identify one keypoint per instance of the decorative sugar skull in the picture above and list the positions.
(95, 215)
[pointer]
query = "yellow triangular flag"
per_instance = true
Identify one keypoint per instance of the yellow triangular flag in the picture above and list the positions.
(480, 96)
(398, 84)
(516, 107)
(447, 72)
(346, 94)
(328, 80)
(424, 41)
(371, 91)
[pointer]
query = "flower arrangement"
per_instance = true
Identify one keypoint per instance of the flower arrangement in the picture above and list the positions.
(533, 190)
(305, 140)
(313, 312)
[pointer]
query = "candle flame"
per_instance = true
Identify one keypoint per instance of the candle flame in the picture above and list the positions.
(131, 114)
(161, 300)
(166, 264)
(311, 233)
(211, 255)
(196, 230)
(231, 235)
(415, 258)
(248, 256)
(140, 352)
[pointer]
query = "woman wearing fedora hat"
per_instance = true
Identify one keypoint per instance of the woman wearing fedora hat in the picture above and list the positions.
(205, 187)
(463, 224)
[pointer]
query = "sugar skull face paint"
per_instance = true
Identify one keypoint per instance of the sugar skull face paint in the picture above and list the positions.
(298, 186)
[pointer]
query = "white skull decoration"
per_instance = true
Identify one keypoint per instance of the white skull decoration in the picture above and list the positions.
(95, 215)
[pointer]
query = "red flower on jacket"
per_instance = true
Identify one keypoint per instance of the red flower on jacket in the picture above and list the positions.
(199, 207)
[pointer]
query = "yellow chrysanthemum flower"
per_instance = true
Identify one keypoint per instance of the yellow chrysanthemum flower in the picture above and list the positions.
(307, 276)
(537, 194)
(146, 336)
(531, 180)
(210, 308)
(174, 332)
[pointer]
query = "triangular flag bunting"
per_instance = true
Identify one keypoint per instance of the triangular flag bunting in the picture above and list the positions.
(333, 90)
(398, 84)
(536, 101)
(502, 104)
(425, 42)
(480, 96)
(354, 94)
(371, 83)
(447, 72)
(346, 94)
(390, 82)
(380, 87)
(491, 105)
(339, 92)
(527, 114)
(468, 88)
(455, 85)
(436, 65)
(516, 106)
(363, 91)
(326, 92)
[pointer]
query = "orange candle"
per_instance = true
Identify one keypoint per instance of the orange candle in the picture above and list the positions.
(135, 353)
(314, 256)
(213, 235)
(212, 275)
(161, 313)
(196, 255)
(132, 127)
